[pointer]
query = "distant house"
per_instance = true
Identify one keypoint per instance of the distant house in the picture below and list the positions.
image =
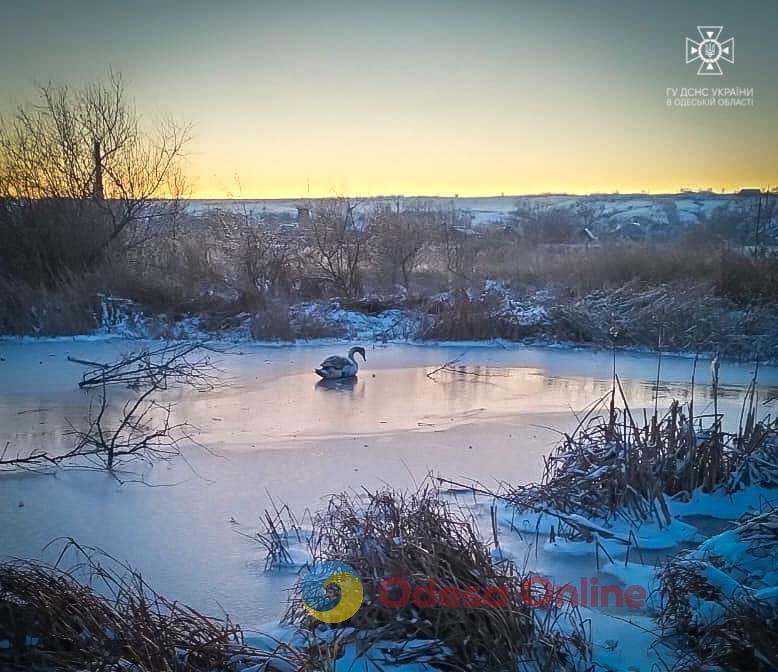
(303, 214)
(630, 231)
(751, 191)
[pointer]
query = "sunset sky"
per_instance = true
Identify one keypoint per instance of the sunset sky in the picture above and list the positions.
(425, 97)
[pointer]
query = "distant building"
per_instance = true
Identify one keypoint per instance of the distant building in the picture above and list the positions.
(303, 214)
(630, 231)
(751, 191)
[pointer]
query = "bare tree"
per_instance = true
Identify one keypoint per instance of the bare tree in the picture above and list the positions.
(80, 171)
(399, 239)
(461, 245)
(338, 245)
(267, 257)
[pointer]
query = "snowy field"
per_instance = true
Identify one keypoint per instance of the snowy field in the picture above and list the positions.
(606, 209)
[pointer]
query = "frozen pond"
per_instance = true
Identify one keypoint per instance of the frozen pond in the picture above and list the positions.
(273, 430)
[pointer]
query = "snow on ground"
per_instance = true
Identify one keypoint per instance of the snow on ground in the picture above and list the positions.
(724, 506)
(124, 319)
(626, 639)
(660, 210)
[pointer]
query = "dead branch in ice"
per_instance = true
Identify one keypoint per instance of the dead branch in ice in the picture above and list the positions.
(454, 367)
(446, 365)
(188, 364)
(143, 428)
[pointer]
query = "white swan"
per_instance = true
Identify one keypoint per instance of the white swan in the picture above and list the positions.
(341, 367)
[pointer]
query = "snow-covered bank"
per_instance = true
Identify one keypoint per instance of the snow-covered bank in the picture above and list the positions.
(689, 318)
(615, 490)
(720, 601)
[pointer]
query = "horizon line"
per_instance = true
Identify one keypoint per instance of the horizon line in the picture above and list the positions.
(680, 192)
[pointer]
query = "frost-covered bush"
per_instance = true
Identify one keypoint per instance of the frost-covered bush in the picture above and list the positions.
(720, 602)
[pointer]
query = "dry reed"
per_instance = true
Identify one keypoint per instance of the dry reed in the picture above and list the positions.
(618, 464)
(715, 609)
(418, 536)
(50, 619)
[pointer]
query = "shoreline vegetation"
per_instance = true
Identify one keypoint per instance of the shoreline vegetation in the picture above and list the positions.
(96, 233)
(268, 283)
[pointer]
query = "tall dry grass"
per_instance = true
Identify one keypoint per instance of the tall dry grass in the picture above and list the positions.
(419, 536)
(618, 464)
(99, 614)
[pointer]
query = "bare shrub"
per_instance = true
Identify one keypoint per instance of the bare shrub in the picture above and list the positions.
(399, 238)
(308, 324)
(272, 323)
(278, 321)
(460, 247)
(268, 260)
(460, 315)
(177, 273)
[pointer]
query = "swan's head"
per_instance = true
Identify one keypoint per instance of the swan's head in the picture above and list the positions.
(357, 349)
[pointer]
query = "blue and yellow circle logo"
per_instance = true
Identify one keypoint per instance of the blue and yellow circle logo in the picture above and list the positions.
(332, 592)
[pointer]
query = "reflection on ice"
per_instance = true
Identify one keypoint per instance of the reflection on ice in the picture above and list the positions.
(337, 384)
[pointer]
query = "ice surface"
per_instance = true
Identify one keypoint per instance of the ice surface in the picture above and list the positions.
(276, 431)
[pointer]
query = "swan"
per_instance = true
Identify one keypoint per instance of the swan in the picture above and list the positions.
(341, 367)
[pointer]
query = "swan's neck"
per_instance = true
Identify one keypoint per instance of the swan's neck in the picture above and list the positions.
(353, 361)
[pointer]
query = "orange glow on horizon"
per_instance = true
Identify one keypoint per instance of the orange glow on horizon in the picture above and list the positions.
(290, 100)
